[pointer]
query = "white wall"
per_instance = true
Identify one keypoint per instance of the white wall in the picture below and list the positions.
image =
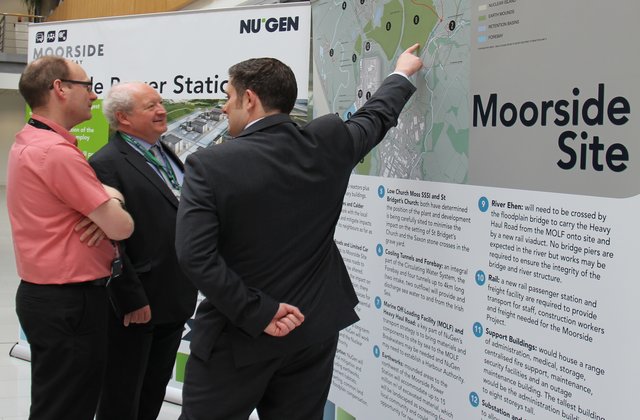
(12, 108)
(12, 105)
(9, 81)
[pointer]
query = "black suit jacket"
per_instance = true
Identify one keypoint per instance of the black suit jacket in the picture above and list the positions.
(256, 223)
(152, 274)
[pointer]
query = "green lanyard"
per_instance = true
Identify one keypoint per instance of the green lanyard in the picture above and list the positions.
(166, 169)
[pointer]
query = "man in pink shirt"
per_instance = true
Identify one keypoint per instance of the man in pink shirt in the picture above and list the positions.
(59, 214)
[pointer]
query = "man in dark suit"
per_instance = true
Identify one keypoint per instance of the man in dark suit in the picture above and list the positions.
(255, 234)
(153, 299)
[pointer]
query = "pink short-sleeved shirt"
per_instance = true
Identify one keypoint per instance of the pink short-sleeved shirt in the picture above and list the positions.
(50, 188)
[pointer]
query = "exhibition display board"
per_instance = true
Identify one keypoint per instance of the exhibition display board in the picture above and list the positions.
(489, 237)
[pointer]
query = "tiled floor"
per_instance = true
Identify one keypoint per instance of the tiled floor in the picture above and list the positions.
(14, 373)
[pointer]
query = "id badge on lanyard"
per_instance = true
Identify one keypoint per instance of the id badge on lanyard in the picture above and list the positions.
(116, 264)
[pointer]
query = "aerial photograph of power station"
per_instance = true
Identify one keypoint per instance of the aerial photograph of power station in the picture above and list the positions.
(199, 123)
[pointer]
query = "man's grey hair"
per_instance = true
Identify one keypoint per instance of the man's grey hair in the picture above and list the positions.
(118, 99)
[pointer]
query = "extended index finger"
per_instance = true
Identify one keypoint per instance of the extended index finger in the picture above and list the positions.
(412, 48)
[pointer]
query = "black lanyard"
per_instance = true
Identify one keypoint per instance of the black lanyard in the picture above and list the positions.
(39, 124)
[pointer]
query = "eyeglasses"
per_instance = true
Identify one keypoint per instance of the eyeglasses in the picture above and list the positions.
(87, 84)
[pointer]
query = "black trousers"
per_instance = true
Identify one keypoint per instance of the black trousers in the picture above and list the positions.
(139, 366)
(292, 387)
(66, 326)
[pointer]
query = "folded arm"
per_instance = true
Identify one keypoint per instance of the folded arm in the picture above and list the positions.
(111, 217)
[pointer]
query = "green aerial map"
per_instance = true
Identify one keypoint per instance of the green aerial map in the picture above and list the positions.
(355, 44)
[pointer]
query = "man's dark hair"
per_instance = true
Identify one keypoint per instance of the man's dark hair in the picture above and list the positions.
(272, 80)
(37, 78)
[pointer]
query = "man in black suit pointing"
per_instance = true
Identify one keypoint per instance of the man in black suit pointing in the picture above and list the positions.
(255, 234)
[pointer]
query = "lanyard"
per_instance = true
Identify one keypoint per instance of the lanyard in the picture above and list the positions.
(39, 124)
(166, 170)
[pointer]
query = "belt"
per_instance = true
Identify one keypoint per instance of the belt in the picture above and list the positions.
(97, 282)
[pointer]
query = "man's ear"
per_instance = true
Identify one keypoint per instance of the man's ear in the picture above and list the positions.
(251, 98)
(122, 118)
(57, 89)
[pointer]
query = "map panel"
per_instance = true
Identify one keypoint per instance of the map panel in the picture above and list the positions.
(355, 45)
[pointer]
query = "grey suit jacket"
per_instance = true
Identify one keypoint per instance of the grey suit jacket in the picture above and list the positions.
(256, 223)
